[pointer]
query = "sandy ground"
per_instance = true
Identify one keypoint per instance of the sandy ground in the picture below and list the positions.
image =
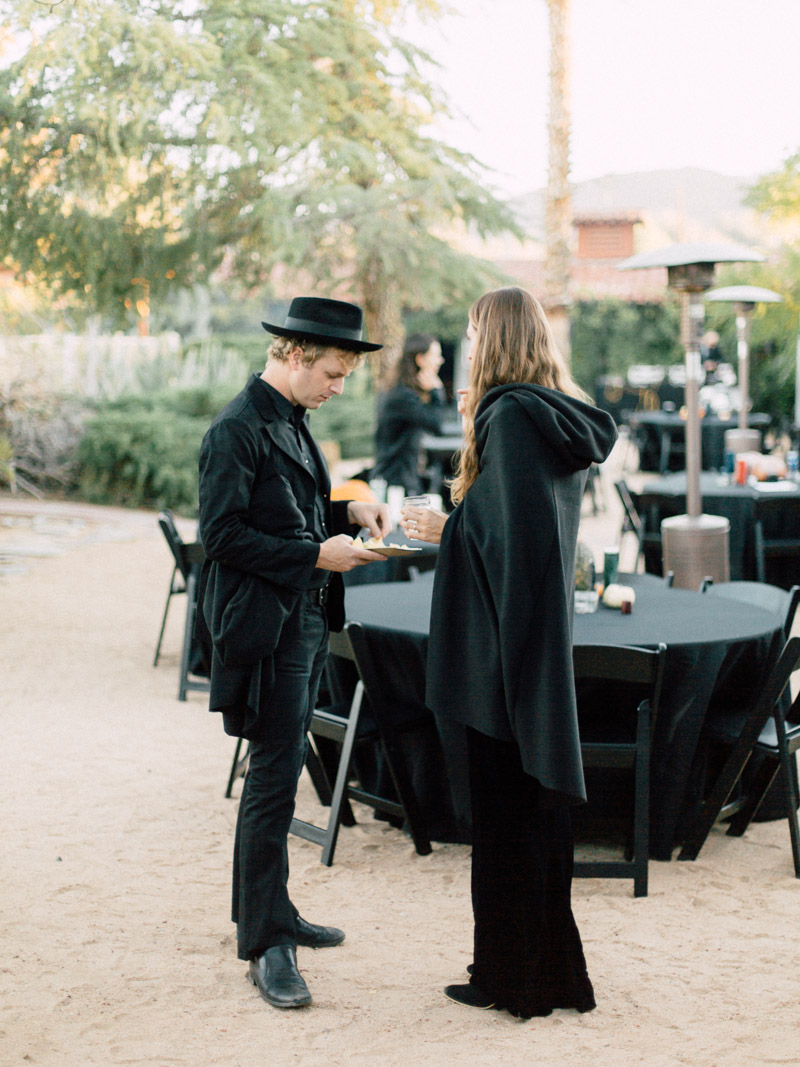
(116, 843)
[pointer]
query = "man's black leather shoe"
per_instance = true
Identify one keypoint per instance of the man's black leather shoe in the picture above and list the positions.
(276, 977)
(311, 936)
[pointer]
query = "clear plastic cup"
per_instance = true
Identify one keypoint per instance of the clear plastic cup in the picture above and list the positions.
(421, 501)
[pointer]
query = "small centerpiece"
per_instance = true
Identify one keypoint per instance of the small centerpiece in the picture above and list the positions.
(586, 599)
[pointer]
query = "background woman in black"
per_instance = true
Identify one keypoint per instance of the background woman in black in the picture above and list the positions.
(500, 653)
(412, 407)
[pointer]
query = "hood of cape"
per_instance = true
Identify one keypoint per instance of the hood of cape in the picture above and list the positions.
(578, 433)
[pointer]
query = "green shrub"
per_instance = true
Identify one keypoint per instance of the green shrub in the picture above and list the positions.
(141, 458)
(200, 402)
(608, 336)
(140, 448)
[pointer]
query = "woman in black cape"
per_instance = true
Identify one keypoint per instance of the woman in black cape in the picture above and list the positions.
(500, 652)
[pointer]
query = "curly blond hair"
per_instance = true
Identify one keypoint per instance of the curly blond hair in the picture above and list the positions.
(280, 348)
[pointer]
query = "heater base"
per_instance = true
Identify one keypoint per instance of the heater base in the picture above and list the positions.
(742, 441)
(696, 548)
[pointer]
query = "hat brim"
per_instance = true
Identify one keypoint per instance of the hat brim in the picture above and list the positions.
(323, 339)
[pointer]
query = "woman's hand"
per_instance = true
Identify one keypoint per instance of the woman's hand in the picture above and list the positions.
(423, 524)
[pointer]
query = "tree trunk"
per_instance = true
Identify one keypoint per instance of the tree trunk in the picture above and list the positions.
(558, 204)
(383, 320)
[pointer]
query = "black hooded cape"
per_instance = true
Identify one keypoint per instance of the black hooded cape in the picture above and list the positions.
(500, 651)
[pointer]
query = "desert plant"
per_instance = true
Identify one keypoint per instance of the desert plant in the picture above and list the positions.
(43, 433)
(584, 567)
(8, 475)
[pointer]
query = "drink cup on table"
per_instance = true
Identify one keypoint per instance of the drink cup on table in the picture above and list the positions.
(394, 498)
(610, 566)
(792, 465)
(379, 487)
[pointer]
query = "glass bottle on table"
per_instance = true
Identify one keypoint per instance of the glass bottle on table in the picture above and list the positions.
(792, 462)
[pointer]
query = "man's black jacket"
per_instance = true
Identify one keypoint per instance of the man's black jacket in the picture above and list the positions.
(256, 516)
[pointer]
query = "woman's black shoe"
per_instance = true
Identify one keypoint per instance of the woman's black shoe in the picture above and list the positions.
(469, 995)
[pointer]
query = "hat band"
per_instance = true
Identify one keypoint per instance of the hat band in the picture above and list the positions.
(320, 328)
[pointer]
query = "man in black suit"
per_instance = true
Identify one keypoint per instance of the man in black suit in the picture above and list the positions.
(276, 547)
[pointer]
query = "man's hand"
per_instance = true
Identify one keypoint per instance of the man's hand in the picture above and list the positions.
(376, 517)
(340, 554)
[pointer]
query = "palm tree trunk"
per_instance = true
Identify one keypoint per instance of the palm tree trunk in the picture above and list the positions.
(558, 203)
(383, 318)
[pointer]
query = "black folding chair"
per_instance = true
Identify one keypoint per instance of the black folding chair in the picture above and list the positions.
(316, 765)
(594, 489)
(180, 569)
(239, 765)
(760, 731)
(188, 558)
(630, 682)
(781, 602)
(777, 538)
(633, 522)
(368, 721)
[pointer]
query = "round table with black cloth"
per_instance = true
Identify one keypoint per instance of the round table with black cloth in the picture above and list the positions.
(663, 497)
(661, 438)
(710, 645)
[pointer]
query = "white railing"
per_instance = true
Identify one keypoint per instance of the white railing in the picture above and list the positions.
(83, 365)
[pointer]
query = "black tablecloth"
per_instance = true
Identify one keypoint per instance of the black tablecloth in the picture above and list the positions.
(709, 645)
(661, 438)
(666, 496)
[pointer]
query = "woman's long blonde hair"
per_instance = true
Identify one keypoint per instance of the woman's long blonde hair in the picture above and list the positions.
(513, 343)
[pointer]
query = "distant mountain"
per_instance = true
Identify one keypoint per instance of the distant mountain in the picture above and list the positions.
(688, 204)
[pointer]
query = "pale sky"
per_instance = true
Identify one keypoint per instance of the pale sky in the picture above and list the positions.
(656, 84)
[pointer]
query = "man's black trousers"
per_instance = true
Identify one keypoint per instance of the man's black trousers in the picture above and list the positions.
(262, 910)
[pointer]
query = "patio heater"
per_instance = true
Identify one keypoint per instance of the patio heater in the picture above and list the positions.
(744, 298)
(694, 545)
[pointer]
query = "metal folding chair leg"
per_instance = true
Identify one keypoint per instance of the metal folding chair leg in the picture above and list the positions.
(185, 683)
(238, 767)
(170, 595)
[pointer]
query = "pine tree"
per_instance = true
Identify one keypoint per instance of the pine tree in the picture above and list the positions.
(145, 140)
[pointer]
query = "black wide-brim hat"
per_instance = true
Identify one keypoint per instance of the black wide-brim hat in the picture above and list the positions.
(332, 322)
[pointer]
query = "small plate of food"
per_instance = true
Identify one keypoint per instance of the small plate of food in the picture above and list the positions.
(377, 544)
